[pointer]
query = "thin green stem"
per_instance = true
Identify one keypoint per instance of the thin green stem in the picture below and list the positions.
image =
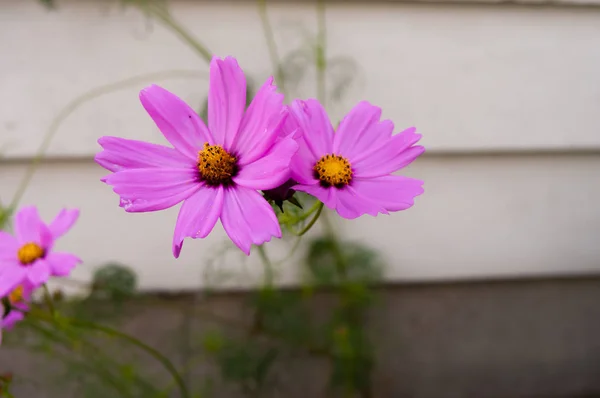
(48, 300)
(290, 220)
(321, 59)
(5, 214)
(292, 251)
(183, 34)
(130, 339)
(340, 259)
(94, 361)
(312, 221)
(76, 104)
(310, 211)
(269, 277)
(272, 46)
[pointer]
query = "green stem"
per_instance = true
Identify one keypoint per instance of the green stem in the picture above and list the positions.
(93, 362)
(48, 300)
(340, 259)
(321, 60)
(310, 211)
(130, 339)
(292, 251)
(312, 221)
(183, 34)
(272, 46)
(269, 277)
(78, 102)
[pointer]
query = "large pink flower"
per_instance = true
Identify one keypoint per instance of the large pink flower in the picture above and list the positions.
(215, 171)
(350, 170)
(28, 257)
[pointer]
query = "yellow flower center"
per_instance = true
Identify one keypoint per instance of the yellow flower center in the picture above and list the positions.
(333, 170)
(216, 165)
(16, 296)
(29, 253)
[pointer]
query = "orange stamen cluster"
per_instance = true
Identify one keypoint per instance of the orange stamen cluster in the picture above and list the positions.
(16, 296)
(333, 171)
(29, 253)
(216, 165)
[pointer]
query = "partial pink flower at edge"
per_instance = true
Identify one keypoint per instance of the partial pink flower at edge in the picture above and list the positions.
(350, 170)
(19, 299)
(216, 171)
(28, 256)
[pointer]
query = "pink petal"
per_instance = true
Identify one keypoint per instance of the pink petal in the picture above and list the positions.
(290, 128)
(28, 225)
(378, 132)
(248, 218)
(120, 154)
(61, 264)
(46, 237)
(180, 125)
(302, 165)
(63, 222)
(393, 155)
(153, 189)
(351, 204)
(38, 273)
(12, 275)
(352, 135)
(8, 247)
(261, 124)
(396, 143)
(392, 193)
(315, 126)
(28, 290)
(197, 216)
(144, 205)
(325, 195)
(271, 170)
(11, 319)
(226, 100)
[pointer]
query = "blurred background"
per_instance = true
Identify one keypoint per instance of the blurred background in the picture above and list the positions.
(490, 285)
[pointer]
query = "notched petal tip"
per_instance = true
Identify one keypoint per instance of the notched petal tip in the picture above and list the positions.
(148, 90)
(100, 160)
(177, 248)
(102, 141)
(366, 105)
(418, 149)
(227, 62)
(245, 250)
(412, 133)
(420, 184)
(230, 60)
(107, 140)
(226, 59)
(271, 85)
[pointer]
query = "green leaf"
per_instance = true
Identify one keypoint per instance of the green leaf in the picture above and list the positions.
(50, 4)
(5, 215)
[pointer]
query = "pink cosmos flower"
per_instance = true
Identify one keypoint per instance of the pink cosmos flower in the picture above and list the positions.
(215, 171)
(19, 299)
(350, 170)
(28, 257)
